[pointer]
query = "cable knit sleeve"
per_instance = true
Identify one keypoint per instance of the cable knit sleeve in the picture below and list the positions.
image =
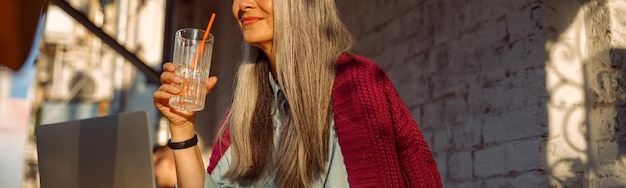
(381, 143)
(415, 156)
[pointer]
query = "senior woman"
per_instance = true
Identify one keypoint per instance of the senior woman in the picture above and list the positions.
(305, 111)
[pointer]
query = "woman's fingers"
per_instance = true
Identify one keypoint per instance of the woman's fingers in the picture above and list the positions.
(211, 83)
(165, 91)
(161, 99)
(169, 67)
(162, 95)
(170, 77)
(169, 89)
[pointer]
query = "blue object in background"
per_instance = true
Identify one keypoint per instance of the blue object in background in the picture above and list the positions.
(23, 79)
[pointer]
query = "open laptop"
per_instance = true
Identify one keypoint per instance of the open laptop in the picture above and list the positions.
(110, 151)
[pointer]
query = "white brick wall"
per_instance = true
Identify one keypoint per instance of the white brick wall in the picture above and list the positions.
(493, 85)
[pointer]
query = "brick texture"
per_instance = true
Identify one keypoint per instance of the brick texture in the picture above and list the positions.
(482, 78)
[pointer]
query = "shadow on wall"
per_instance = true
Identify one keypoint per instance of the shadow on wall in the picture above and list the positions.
(618, 61)
(586, 108)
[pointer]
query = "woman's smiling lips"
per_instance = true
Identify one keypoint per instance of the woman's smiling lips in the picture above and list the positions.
(250, 20)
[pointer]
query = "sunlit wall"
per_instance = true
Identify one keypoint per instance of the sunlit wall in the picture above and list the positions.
(583, 78)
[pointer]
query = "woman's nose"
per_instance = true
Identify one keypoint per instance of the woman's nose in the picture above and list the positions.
(247, 4)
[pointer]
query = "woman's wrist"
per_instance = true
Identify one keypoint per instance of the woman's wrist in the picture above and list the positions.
(182, 132)
(183, 145)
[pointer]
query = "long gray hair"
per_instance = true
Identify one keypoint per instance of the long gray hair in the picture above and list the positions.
(308, 38)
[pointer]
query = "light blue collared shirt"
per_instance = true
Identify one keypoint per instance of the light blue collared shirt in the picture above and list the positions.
(336, 174)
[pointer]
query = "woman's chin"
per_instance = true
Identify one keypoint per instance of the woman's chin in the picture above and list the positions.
(261, 44)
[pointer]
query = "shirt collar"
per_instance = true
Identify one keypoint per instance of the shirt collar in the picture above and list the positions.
(275, 86)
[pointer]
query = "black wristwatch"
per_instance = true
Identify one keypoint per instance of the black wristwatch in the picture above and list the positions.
(184, 144)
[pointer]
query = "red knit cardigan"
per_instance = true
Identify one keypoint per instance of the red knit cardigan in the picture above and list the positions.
(381, 144)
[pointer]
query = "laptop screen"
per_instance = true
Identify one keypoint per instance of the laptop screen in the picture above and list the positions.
(110, 151)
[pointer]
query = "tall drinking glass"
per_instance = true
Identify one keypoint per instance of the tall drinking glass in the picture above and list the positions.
(192, 57)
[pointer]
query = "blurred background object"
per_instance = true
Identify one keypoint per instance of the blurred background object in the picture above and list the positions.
(164, 167)
(22, 24)
(100, 57)
(17, 35)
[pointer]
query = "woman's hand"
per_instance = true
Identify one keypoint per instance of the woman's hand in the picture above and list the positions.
(177, 118)
(189, 168)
